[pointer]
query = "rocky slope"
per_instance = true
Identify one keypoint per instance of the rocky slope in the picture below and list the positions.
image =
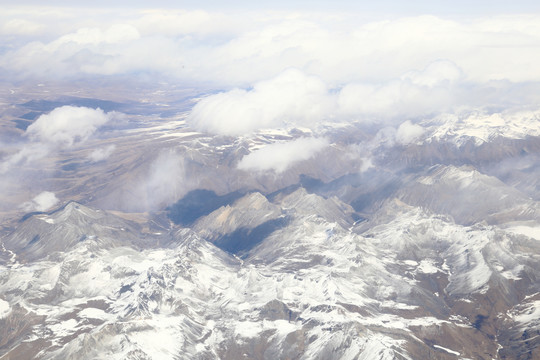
(371, 248)
(405, 284)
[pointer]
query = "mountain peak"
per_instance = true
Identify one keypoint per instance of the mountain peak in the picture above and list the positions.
(42, 234)
(245, 214)
(74, 211)
(302, 203)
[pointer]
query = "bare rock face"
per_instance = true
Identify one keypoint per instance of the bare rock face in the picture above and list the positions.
(248, 212)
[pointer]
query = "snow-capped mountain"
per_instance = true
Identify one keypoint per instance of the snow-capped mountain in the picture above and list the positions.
(483, 127)
(407, 283)
(41, 234)
(368, 247)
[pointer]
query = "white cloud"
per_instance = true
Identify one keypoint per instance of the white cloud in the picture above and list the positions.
(63, 127)
(296, 99)
(408, 132)
(348, 66)
(101, 153)
(280, 156)
(42, 202)
(360, 153)
(28, 153)
(415, 93)
(367, 163)
(230, 50)
(436, 73)
(291, 97)
(66, 125)
(20, 27)
(115, 34)
(177, 22)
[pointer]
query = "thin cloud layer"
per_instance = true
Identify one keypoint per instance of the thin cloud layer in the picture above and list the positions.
(235, 50)
(164, 183)
(101, 153)
(279, 157)
(20, 27)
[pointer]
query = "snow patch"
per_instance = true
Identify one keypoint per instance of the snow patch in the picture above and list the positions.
(514, 273)
(530, 231)
(427, 267)
(5, 309)
(247, 329)
(447, 350)
(160, 339)
(529, 314)
(64, 328)
(93, 313)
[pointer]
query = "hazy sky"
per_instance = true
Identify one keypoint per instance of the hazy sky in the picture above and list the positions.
(437, 7)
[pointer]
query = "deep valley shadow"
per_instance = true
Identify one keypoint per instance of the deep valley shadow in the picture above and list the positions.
(243, 239)
(198, 203)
